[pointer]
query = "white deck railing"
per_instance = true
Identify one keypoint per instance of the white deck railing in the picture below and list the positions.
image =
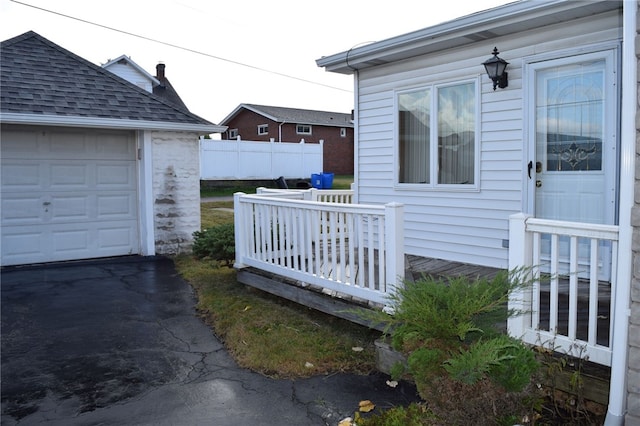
(569, 305)
(355, 250)
(344, 196)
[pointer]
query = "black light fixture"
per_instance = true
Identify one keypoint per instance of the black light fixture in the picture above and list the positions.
(495, 68)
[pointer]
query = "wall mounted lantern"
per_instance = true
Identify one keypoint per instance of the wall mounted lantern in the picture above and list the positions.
(495, 68)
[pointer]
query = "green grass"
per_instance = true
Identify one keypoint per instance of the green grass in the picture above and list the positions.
(339, 182)
(211, 215)
(226, 191)
(342, 181)
(268, 334)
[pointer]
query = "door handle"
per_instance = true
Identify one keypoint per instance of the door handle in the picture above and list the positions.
(529, 167)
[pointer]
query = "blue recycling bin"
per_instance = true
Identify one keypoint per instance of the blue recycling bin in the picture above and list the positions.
(327, 180)
(316, 180)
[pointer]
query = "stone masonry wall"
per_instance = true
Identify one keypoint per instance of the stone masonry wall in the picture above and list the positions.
(633, 376)
(176, 190)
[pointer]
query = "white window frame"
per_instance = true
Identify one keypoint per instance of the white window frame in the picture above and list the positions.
(433, 146)
(263, 129)
(303, 131)
(343, 132)
(233, 133)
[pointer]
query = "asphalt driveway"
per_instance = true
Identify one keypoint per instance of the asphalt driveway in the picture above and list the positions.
(118, 342)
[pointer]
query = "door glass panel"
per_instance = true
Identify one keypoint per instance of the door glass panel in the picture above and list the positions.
(570, 115)
(573, 100)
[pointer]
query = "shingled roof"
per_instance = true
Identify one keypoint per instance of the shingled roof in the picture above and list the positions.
(40, 78)
(296, 115)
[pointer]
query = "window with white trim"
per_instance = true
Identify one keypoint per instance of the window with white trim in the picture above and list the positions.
(437, 135)
(343, 132)
(233, 133)
(263, 129)
(303, 129)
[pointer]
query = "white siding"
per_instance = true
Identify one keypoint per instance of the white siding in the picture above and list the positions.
(132, 75)
(466, 226)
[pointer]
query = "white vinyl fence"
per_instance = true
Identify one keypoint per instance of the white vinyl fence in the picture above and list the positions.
(252, 160)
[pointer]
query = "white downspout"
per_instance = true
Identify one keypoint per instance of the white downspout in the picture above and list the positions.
(356, 131)
(280, 131)
(618, 384)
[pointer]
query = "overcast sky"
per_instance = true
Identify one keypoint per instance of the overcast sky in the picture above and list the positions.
(278, 40)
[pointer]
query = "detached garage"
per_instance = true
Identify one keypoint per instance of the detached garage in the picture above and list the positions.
(92, 165)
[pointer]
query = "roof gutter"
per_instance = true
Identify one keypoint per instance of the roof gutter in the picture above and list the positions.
(107, 123)
(485, 25)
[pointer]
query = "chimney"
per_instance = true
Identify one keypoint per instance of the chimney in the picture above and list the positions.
(160, 71)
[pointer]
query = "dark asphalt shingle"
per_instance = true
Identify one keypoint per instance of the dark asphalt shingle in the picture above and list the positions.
(39, 77)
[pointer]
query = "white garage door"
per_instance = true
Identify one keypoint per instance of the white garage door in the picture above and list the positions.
(67, 194)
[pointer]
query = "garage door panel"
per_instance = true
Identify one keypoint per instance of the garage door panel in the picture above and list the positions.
(71, 144)
(64, 175)
(116, 206)
(19, 144)
(115, 176)
(22, 209)
(70, 208)
(91, 174)
(70, 241)
(89, 206)
(115, 237)
(20, 243)
(20, 176)
(105, 239)
(47, 243)
(92, 146)
(68, 194)
(113, 145)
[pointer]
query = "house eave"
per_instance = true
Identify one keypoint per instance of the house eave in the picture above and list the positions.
(486, 25)
(106, 123)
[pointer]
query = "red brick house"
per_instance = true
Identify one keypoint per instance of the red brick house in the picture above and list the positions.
(263, 123)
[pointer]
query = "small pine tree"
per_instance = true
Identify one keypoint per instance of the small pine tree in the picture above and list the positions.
(217, 243)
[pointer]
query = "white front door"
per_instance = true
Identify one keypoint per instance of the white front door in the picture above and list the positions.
(572, 172)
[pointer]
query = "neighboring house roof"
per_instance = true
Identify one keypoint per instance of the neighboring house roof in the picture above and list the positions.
(514, 17)
(43, 83)
(295, 115)
(112, 65)
(158, 85)
(165, 89)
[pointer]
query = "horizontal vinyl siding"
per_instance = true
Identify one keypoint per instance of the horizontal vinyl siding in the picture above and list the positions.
(466, 226)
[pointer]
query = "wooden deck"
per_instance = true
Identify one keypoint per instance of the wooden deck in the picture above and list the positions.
(417, 266)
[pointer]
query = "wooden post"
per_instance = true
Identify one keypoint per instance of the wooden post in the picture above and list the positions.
(520, 256)
(394, 230)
